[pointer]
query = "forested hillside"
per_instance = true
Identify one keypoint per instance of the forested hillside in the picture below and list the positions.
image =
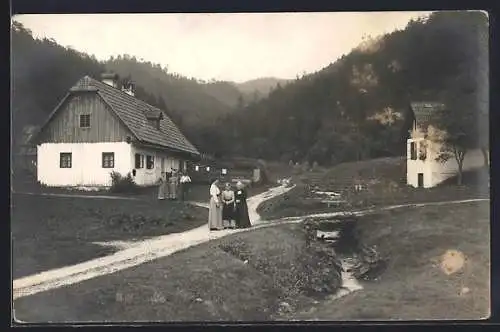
(43, 71)
(356, 108)
(195, 101)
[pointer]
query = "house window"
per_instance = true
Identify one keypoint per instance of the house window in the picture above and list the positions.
(108, 159)
(65, 160)
(150, 162)
(413, 150)
(84, 120)
(422, 153)
(139, 160)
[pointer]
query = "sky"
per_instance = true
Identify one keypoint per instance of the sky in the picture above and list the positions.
(229, 47)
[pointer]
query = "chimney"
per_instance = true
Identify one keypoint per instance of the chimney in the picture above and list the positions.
(129, 88)
(110, 79)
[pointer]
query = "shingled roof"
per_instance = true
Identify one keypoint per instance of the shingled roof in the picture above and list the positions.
(426, 113)
(133, 112)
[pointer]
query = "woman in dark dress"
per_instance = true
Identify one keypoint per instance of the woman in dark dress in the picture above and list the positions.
(241, 213)
(228, 207)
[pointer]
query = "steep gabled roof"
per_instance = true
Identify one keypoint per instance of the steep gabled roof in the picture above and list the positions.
(426, 113)
(133, 112)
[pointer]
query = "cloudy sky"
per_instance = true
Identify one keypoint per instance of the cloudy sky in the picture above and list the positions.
(235, 47)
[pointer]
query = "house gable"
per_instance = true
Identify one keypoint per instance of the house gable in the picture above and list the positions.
(134, 114)
(83, 117)
(119, 116)
(424, 118)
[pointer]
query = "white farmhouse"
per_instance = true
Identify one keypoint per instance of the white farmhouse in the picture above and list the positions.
(422, 169)
(98, 128)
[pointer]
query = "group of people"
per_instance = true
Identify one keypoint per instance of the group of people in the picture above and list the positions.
(173, 185)
(228, 208)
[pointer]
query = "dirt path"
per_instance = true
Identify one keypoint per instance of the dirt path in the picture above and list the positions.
(133, 253)
(136, 253)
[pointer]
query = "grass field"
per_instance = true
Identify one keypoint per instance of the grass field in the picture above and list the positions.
(210, 283)
(203, 283)
(383, 181)
(416, 284)
(50, 232)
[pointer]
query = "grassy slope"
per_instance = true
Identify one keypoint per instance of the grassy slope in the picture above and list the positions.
(415, 286)
(59, 231)
(206, 283)
(385, 184)
(49, 232)
(201, 283)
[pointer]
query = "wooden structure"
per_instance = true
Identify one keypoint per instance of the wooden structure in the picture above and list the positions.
(98, 128)
(227, 170)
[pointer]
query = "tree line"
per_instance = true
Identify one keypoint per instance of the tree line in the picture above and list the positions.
(358, 107)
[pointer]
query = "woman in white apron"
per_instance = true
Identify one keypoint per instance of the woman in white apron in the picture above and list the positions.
(215, 207)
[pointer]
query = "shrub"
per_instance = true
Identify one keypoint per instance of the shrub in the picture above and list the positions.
(123, 184)
(313, 270)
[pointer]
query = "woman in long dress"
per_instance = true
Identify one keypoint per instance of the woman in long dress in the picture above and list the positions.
(215, 207)
(167, 184)
(161, 186)
(173, 185)
(241, 211)
(228, 207)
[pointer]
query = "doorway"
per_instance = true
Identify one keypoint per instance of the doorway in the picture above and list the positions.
(420, 180)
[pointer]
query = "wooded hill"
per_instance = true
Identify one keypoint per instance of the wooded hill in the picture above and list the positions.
(43, 71)
(355, 108)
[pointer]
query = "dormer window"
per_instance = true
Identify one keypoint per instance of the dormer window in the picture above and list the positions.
(155, 123)
(154, 117)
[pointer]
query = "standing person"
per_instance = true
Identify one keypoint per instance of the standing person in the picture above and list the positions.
(215, 207)
(184, 185)
(228, 207)
(241, 207)
(173, 184)
(162, 183)
(167, 184)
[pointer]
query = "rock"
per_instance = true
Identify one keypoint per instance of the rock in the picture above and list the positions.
(285, 307)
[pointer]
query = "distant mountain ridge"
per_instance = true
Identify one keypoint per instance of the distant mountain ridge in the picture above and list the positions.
(198, 100)
(194, 104)
(260, 86)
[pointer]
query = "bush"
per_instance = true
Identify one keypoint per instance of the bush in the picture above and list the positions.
(314, 270)
(123, 184)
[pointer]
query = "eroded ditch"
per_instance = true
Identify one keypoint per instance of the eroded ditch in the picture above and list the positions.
(326, 261)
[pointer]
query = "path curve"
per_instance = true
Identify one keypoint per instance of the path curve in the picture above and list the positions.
(134, 253)
(163, 246)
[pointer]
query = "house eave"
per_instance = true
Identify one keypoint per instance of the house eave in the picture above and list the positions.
(172, 150)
